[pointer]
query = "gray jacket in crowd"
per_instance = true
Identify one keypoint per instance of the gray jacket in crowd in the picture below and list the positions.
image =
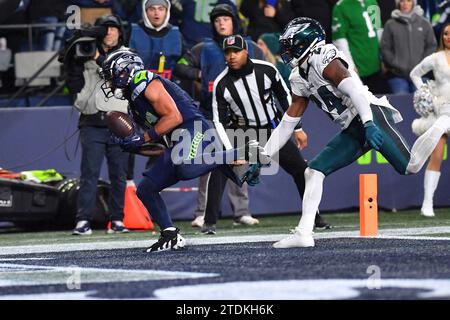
(406, 40)
(91, 99)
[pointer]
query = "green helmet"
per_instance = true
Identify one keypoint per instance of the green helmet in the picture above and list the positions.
(298, 38)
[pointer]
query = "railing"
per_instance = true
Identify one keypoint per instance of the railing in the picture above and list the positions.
(30, 48)
(30, 27)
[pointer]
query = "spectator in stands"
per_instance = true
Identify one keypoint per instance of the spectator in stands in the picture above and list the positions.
(266, 16)
(49, 12)
(439, 63)
(437, 12)
(193, 18)
(407, 39)
(356, 28)
(157, 42)
(441, 16)
(318, 10)
(204, 62)
(84, 81)
(268, 43)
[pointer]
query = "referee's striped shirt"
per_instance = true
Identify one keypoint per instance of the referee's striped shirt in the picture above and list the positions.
(249, 98)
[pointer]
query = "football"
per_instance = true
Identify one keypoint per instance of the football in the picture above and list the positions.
(119, 123)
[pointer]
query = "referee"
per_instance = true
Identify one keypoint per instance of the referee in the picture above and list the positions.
(243, 98)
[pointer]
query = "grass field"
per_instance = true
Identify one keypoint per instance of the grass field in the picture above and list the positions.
(410, 259)
(268, 225)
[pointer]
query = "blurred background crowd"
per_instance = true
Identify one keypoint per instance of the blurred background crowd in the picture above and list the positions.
(383, 59)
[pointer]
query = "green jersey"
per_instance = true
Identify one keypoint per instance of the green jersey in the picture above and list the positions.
(358, 22)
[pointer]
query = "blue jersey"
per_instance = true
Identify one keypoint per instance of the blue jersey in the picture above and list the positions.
(144, 113)
(159, 54)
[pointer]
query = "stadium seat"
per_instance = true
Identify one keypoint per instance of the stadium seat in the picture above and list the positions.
(5, 59)
(27, 63)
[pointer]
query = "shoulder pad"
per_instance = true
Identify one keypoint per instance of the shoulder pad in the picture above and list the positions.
(322, 58)
(142, 75)
(140, 82)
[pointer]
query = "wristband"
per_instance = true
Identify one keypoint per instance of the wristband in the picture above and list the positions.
(153, 134)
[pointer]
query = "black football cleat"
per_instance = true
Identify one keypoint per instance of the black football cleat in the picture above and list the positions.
(168, 240)
(320, 223)
(209, 229)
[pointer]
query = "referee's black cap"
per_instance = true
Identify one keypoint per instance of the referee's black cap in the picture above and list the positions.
(235, 42)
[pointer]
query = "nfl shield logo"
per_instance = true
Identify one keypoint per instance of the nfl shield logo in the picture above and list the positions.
(230, 40)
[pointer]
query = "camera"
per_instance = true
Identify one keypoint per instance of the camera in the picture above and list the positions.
(83, 43)
(85, 47)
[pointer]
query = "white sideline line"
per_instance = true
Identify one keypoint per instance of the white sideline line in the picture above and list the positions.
(411, 234)
(165, 273)
(23, 259)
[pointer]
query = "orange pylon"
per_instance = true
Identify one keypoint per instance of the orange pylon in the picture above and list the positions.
(368, 206)
(135, 216)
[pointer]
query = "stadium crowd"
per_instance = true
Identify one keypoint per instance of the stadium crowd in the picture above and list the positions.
(375, 57)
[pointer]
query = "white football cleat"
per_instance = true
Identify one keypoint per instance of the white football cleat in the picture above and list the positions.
(198, 222)
(246, 220)
(427, 211)
(296, 240)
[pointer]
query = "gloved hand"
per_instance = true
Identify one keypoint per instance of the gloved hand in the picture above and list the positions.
(252, 175)
(374, 136)
(133, 141)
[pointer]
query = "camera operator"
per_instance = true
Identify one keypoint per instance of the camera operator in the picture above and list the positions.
(86, 50)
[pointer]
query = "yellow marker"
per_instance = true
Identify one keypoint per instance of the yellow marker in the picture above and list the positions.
(162, 62)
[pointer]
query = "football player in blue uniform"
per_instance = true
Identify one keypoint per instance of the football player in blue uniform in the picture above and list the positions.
(162, 108)
(321, 73)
